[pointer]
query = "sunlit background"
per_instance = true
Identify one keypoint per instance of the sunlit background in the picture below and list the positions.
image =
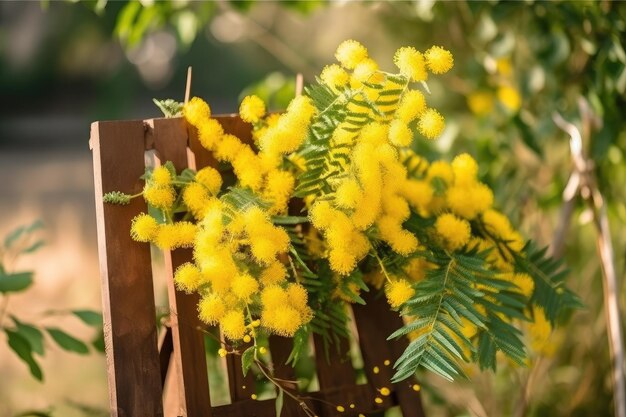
(64, 65)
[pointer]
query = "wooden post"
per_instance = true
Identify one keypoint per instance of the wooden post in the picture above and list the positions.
(130, 332)
(170, 141)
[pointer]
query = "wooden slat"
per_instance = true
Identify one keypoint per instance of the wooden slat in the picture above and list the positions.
(130, 332)
(280, 348)
(170, 141)
(374, 347)
(375, 322)
(359, 395)
(335, 374)
(241, 387)
(247, 408)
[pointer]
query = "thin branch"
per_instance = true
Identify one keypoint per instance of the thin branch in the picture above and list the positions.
(589, 190)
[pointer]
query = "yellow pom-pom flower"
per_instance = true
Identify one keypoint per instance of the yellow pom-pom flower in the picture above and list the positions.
(454, 231)
(210, 178)
(144, 228)
(439, 60)
(273, 296)
(334, 76)
(350, 53)
(166, 237)
(274, 273)
(196, 197)
(459, 200)
(465, 169)
(211, 309)
(188, 277)
(263, 250)
(159, 197)
(348, 194)
(244, 286)
(366, 71)
(497, 223)
(233, 325)
(196, 111)
(431, 123)
(210, 134)
(228, 148)
(342, 261)
(185, 234)
(298, 296)
(398, 292)
(322, 214)
(283, 320)
(252, 108)
(400, 240)
(161, 176)
(413, 103)
(441, 170)
(411, 63)
(418, 193)
(301, 109)
(399, 133)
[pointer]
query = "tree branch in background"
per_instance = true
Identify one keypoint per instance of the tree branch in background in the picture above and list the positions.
(585, 183)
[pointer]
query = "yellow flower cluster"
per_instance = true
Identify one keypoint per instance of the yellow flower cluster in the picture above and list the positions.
(291, 128)
(201, 194)
(285, 309)
(237, 257)
(261, 172)
(158, 191)
(375, 195)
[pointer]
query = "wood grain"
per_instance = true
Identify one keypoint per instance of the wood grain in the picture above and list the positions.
(170, 142)
(375, 322)
(130, 332)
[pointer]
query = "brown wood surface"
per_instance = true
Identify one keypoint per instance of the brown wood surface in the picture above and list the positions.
(169, 137)
(130, 332)
(335, 374)
(375, 322)
(247, 408)
(241, 387)
(280, 348)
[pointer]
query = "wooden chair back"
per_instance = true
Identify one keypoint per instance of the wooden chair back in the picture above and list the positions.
(137, 363)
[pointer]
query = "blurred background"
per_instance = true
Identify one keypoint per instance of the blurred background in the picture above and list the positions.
(64, 65)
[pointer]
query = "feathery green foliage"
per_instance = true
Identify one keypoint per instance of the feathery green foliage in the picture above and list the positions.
(549, 276)
(461, 288)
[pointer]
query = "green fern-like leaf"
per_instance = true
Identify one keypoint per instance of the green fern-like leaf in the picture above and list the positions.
(460, 288)
(440, 301)
(549, 276)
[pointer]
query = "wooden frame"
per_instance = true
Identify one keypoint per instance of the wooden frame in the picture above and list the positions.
(137, 366)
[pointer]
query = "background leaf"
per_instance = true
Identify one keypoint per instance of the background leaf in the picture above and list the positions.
(15, 282)
(67, 342)
(22, 348)
(33, 335)
(89, 317)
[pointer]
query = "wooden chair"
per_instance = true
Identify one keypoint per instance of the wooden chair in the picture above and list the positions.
(137, 365)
